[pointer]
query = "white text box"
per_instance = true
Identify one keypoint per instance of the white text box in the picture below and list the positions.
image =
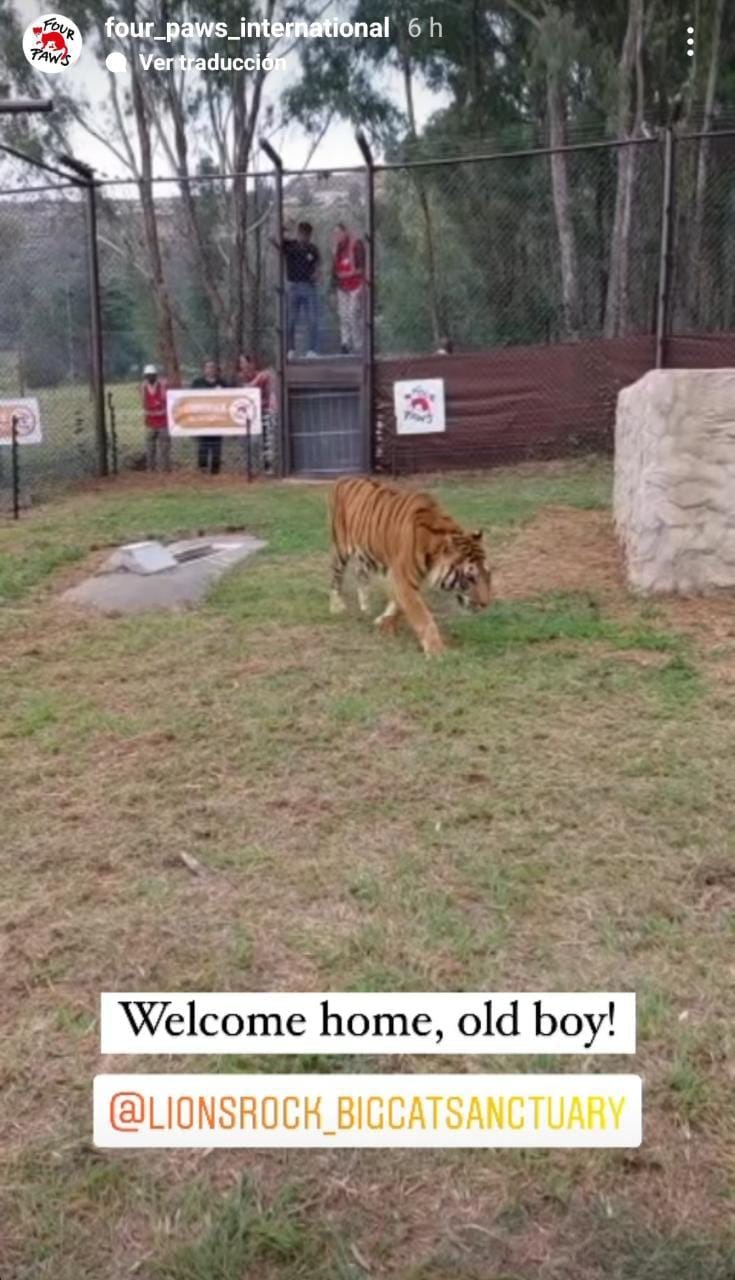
(369, 1022)
(367, 1111)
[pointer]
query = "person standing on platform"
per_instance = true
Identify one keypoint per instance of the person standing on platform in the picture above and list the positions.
(348, 274)
(303, 266)
(209, 448)
(157, 439)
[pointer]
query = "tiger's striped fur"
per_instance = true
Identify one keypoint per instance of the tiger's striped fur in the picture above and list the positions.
(407, 536)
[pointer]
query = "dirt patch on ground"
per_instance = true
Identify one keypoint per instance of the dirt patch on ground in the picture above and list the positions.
(569, 550)
(708, 618)
(563, 549)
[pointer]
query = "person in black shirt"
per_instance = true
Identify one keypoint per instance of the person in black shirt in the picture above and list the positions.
(209, 448)
(303, 261)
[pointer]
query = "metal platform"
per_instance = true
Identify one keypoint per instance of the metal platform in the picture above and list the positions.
(325, 371)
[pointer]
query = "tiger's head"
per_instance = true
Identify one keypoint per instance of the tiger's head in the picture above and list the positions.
(467, 571)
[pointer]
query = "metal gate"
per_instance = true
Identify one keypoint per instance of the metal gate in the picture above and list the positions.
(326, 430)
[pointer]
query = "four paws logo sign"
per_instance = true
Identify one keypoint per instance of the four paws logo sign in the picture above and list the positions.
(52, 43)
(419, 406)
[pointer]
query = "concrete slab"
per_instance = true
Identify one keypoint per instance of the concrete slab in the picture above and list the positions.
(116, 590)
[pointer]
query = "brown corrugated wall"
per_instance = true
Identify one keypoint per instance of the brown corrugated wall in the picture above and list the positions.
(517, 403)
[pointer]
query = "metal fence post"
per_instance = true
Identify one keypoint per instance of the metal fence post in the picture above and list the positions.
(95, 310)
(15, 464)
(98, 361)
(113, 432)
(668, 213)
(368, 346)
(284, 442)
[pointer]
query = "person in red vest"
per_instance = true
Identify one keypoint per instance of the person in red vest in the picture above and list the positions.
(348, 274)
(158, 441)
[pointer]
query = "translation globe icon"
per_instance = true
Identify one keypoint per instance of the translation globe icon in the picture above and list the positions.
(116, 62)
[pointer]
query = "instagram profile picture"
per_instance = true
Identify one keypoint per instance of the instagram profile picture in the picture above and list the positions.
(52, 43)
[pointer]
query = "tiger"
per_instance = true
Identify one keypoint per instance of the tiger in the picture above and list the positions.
(407, 537)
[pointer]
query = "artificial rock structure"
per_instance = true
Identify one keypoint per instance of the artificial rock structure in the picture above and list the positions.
(675, 481)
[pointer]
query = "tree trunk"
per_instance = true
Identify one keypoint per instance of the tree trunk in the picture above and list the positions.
(245, 116)
(556, 101)
(236, 329)
(216, 302)
(435, 309)
(630, 121)
(701, 278)
(161, 300)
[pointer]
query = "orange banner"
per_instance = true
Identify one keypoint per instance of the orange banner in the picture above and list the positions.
(215, 412)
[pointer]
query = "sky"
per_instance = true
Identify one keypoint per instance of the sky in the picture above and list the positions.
(336, 149)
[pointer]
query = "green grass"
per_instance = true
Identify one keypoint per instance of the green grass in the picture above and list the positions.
(244, 1237)
(547, 806)
(67, 452)
(292, 519)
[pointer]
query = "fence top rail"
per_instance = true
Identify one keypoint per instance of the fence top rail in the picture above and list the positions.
(526, 152)
(46, 186)
(457, 158)
(325, 171)
(705, 133)
(251, 175)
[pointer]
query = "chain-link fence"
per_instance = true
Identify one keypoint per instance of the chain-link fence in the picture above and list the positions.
(323, 199)
(189, 276)
(547, 280)
(516, 250)
(45, 348)
(703, 271)
(552, 279)
(218, 294)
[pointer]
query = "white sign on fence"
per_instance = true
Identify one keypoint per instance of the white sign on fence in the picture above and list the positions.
(419, 406)
(214, 411)
(27, 422)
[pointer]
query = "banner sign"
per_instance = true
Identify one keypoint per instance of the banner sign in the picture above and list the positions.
(27, 422)
(419, 406)
(214, 411)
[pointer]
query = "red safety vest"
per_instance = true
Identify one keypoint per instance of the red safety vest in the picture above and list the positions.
(154, 403)
(347, 275)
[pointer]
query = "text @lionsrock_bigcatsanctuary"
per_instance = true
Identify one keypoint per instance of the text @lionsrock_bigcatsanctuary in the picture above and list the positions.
(265, 43)
(369, 1109)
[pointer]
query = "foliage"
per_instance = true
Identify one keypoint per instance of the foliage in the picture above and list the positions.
(516, 252)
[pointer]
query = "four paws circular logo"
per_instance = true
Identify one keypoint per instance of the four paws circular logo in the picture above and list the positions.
(419, 404)
(25, 425)
(52, 43)
(242, 412)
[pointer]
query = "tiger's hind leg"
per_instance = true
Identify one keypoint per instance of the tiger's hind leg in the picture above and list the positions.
(387, 621)
(362, 573)
(336, 601)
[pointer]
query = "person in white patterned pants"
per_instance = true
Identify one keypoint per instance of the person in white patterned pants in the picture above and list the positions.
(260, 453)
(348, 273)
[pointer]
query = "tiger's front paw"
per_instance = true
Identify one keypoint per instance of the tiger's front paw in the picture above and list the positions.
(432, 644)
(336, 603)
